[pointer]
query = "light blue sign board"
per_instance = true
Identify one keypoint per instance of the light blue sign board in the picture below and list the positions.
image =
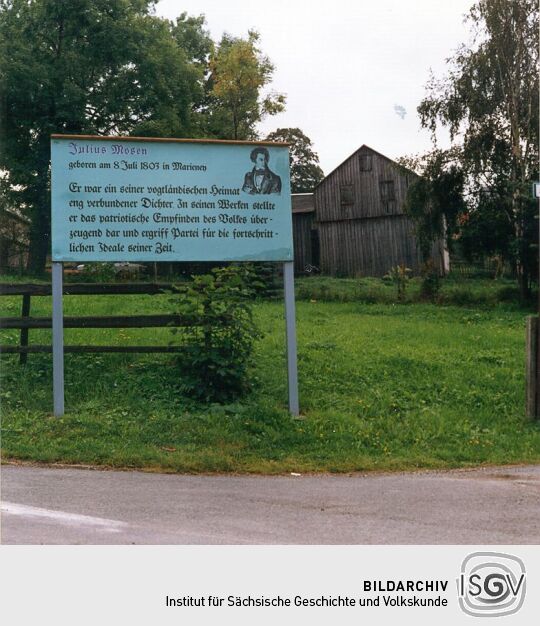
(124, 200)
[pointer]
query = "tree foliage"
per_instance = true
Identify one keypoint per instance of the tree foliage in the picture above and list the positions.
(111, 67)
(306, 172)
(238, 74)
(194, 39)
(489, 102)
(435, 198)
(86, 67)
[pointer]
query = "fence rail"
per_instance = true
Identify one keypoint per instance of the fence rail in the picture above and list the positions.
(88, 289)
(35, 348)
(109, 321)
(25, 322)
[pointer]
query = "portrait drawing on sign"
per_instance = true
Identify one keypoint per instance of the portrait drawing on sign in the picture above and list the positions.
(261, 179)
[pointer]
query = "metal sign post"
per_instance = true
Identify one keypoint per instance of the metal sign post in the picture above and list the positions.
(532, 404)
(290, 323)
(536, 195)
(57, 340)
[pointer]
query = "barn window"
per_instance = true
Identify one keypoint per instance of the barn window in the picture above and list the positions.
(346, 195)
(388, 191)
(365, 162)
(388, 195)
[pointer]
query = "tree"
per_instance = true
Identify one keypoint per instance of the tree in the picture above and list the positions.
(489, 101)
(194, 39)
(86, 67)
(306, 172)
(435, 198)
(238, 74)
(434, 201)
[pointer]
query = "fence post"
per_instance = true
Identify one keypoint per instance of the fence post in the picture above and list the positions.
(532, 369)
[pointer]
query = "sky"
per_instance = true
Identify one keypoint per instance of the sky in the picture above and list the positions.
(353, 71)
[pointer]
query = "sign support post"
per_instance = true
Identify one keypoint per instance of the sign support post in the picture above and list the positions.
(57, 340)
(536, 195)
(532, 369)
(290, 324)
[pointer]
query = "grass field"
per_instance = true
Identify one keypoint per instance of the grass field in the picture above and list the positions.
(383, 386)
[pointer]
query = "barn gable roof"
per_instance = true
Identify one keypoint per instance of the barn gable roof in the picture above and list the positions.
(365, 148)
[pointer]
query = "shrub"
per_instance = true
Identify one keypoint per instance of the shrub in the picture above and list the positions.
(508, 294)
(431, 283)
(263, 279)
(399, 275)
(461, 296)
(219, 344)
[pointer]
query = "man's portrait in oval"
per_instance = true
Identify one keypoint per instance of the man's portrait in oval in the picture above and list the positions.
(261, 179)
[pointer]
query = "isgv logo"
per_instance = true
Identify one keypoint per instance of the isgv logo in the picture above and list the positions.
(491, 584)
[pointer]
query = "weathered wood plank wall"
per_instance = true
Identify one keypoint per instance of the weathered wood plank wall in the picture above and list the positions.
(368, 247)
(303, 218)
(359, 213)
(365, 188)
(302, 225)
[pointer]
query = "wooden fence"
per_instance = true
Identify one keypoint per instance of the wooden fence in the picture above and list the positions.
(25, 322)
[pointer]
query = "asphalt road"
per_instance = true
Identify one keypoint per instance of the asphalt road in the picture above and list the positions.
(79, 506)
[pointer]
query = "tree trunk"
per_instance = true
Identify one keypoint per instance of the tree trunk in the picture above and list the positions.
(522, 267)
(40, 228)
(523, 282)
(39, 212)
(39, 244)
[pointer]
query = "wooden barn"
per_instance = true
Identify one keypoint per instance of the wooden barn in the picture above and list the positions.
(362, 228)
(305, 233)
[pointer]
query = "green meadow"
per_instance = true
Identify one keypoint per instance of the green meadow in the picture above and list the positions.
(384, 385)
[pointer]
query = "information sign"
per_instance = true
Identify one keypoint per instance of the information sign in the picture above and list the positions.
(137, 199)
(143, 199)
